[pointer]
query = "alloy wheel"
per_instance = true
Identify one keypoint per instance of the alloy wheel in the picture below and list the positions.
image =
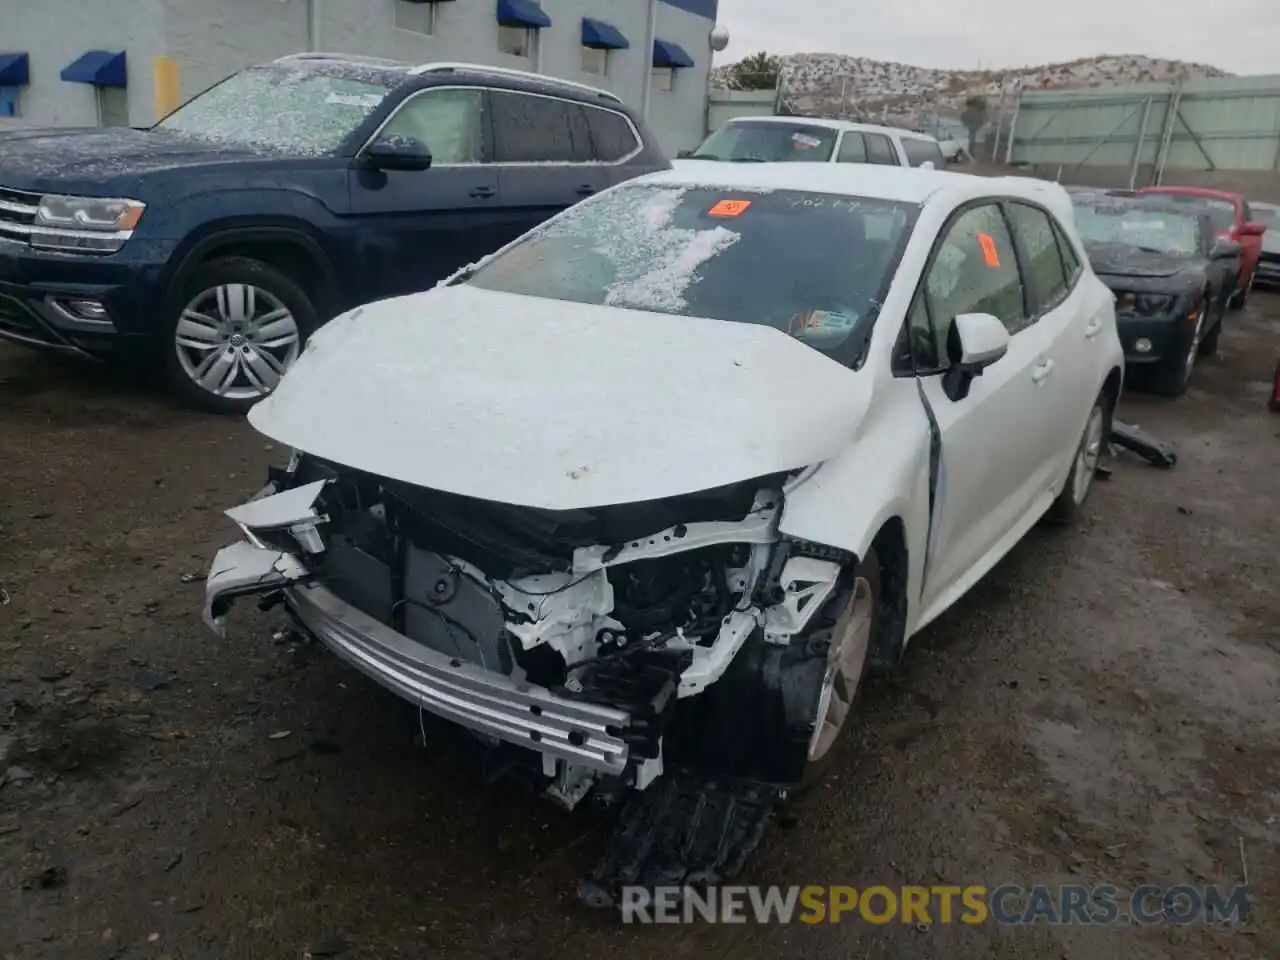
(236, 340)
(846, 655)
(1087, 456)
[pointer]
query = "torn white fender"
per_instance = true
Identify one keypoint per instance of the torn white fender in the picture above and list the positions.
(241, 569)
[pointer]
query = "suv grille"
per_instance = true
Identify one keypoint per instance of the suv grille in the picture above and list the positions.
(17, 212)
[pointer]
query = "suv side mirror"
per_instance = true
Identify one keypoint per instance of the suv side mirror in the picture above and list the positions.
(398, 153)
(1254, 228)
(974, 342)
(1225, 249)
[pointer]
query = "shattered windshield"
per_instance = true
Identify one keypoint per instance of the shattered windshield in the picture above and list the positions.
(1222, 213)
(768, 143)
(283, 106)
(815, 265)
(1155, 231)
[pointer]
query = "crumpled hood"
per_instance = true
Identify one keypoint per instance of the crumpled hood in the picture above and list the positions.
(558, 405)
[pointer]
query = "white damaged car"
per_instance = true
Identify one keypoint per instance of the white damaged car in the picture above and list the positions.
(649, 491)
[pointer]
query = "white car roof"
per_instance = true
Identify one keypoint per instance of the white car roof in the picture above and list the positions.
(905, 184)
(832, 124)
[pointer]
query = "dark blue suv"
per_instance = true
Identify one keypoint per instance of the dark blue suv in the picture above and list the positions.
(211, 244)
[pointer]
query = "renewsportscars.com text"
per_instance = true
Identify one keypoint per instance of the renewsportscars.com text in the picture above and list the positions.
(938, 904)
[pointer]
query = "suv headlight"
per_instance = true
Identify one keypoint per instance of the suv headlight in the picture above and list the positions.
(70, 223)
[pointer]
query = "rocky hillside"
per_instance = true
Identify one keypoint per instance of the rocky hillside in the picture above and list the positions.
(898, 93)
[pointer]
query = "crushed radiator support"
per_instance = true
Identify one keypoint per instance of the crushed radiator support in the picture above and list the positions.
(685, 830)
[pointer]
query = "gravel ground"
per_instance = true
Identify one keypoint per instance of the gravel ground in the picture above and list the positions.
(1102, 708)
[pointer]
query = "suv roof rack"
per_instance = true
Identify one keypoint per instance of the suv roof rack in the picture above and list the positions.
(343, 58)
(480, 68)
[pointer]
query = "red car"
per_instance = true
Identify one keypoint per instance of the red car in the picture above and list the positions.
(1233, 219)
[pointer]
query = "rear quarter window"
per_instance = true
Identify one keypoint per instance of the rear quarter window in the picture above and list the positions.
(919, 151)
(612, 137)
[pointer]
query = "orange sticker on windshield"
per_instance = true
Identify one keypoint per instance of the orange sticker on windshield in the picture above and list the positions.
(729, 208)
(989, 253)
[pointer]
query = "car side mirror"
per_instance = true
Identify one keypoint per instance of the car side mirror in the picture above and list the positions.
(1254, 228)
(398, 153)
(974, 342)
(928, 165)
(1224, 249)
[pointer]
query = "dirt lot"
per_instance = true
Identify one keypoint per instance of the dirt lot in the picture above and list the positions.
(1103, 708)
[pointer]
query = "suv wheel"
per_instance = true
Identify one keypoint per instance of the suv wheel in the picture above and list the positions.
(238, 325)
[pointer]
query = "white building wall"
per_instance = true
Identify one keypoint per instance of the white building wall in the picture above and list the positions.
(55, 32)
(210, 39)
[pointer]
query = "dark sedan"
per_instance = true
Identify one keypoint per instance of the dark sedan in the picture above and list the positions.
(1172, 278)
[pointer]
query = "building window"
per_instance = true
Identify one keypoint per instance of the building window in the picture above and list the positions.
(415, 17)
(595, 60)
(664, 79)
(516, 41)
(10, 102)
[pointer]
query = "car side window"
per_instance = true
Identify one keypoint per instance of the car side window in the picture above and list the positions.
(880, 149)
(450, 122)
(1070, 261)
(1043, 268)
(611, 135)
(974, 270)
(531, 129)
(853, 148)
(919, 150)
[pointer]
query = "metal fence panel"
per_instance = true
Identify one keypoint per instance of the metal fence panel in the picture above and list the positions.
(1214, 125)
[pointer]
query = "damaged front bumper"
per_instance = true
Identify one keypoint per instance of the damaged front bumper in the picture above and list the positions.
(481, 700)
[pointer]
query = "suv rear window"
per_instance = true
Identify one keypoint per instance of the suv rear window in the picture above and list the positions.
(814, 265)
(533, 129)
(768, 142)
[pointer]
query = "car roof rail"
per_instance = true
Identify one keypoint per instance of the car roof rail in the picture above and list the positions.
(486, 70)
(342, 58)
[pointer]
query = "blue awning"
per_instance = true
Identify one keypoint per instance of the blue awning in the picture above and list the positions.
(15, 69)
(101, 68)
(668, 54)
(522, 13)
(604, 36)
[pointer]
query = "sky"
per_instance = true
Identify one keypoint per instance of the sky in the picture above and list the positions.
(1240, 36)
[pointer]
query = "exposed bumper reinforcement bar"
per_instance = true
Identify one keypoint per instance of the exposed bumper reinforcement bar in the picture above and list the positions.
(475, 698)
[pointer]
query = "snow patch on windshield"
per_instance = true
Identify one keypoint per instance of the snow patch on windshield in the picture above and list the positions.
(654, 262)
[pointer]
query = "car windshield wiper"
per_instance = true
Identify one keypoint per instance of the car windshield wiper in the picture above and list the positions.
(702, 156)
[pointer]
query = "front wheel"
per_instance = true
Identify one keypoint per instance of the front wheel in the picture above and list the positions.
(1066, 508)
(849, 632)
(238, 325)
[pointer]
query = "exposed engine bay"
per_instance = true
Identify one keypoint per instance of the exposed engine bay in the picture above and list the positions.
(681, 639)
(634, 606)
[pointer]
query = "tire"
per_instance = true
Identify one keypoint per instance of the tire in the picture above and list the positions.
(1209, 345)
(853, 615)
(1173, 375)
(242, 323)
(1093, 441)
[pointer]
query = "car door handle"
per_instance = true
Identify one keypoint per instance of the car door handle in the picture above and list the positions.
(1093, 329)
(1042, 370)
(483, 193)
(586, 190)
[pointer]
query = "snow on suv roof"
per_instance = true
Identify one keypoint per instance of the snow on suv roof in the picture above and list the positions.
(832, 124)
(906, 184)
